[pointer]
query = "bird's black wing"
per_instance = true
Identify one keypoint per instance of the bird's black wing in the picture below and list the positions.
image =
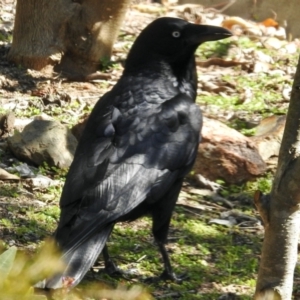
(139, 139)
(139, 142)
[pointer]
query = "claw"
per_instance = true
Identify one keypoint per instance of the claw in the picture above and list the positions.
(112, 270)
(166, 276)
(173, 277)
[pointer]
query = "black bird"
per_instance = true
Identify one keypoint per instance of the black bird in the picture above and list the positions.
(140, 141)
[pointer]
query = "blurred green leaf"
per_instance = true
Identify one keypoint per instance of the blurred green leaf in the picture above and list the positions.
(7, 259)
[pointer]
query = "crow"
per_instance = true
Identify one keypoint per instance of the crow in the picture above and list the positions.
(139, 142)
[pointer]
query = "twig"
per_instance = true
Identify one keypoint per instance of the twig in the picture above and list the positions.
(227, 5)
(190, 211)
(216, 61)
(141, 258)
(168, 295)
(218, 198)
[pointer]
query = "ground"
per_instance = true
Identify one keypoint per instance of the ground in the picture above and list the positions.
(216, 241)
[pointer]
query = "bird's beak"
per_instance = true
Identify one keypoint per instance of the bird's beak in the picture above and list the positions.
(198, 34)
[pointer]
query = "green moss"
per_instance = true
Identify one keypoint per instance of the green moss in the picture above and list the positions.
(217, 48)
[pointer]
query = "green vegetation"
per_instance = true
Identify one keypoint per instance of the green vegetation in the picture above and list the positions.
(264, 88)
(20, 271)
(264, 100)
(206, 253)
(60, 110)
(263, 184)
(213, 49)
(212, 256)
(5, 37)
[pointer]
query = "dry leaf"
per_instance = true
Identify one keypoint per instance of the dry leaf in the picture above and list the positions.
(233, 21)
(269, 23)
(216, 61)
(4, 175)
(149, 9)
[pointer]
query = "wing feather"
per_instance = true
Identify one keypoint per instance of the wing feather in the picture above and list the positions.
(132, 150)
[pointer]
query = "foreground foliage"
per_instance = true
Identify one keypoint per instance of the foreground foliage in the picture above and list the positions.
(19, 272)
(217, 259)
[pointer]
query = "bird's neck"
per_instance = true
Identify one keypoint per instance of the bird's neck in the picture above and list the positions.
(184, 72)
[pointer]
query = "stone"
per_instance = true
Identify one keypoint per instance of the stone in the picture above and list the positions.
(4, 175)
(273, 43)
(77, 129)
(226, 154)
(7, 122)
(44, 141)
(268, 136)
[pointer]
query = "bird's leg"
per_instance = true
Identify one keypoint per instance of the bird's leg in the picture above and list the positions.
(168, 273)
(161, 215)
(110, 267)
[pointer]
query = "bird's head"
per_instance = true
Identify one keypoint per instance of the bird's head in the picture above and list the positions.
(171, 40)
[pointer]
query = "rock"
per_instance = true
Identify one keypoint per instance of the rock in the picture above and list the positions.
(21, 123)
(262, 57)
(44, 141)
(226, 154)
(42, 182)
(229, 223)
(23, 170)
(273, 43)
(291, 48)
(262, 62)
(7, 122)
(261, 67)
(280, 33)
(4, 175)
(77, 129)
(286, 92)
(268, 136)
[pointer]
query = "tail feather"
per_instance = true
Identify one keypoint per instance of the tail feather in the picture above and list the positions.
(78, 261)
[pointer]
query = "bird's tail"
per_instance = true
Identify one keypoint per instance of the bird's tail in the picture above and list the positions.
(78, 261)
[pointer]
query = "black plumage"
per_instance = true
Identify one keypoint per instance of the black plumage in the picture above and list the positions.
(140, 141)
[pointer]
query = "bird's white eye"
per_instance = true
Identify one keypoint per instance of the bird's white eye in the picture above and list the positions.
(176, 34)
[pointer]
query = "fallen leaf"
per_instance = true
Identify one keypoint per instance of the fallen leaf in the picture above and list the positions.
(269, 23)
(4, 175)
(273, 43)
(233, 23)
(149, 9)
(216, 61)
(229, 223)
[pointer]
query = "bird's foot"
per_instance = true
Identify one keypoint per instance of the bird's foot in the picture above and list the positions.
(112, 270)
(167, 276)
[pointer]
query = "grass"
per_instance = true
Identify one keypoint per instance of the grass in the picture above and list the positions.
(211, 255)
(207, 253)
(62, 113)
(263, 184)
(263, 101)
(216, 48)
(265, 88)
